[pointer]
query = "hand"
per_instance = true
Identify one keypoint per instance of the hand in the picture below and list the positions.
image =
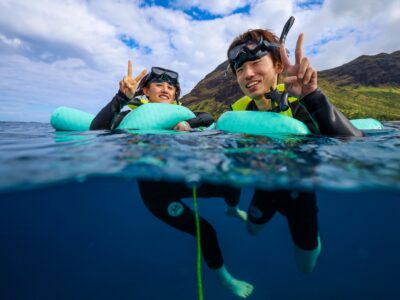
(183, 126)
(128, 85)
(301, 77)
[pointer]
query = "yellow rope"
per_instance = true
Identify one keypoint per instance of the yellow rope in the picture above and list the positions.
(196, 214)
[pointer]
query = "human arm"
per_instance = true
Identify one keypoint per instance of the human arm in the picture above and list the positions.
(202, 119)
(329, 120)
(110, 116)
(302, 82)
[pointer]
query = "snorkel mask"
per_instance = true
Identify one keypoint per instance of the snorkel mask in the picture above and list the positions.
(158, 74)
(252, 50)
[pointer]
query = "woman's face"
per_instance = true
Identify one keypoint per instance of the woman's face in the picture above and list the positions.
(160, 92)
(256, 77)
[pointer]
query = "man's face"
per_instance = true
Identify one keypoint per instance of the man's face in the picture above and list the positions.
(256, 77)
(160, 92)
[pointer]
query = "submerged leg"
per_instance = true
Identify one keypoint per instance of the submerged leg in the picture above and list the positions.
(307, 259)
(302, 216)
(235, 211)
(239, 288)
(261, 210)
(162, 199)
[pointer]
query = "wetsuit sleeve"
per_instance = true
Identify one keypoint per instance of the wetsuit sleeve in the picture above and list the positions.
(201, 119)
(328, 118)
(110, 116)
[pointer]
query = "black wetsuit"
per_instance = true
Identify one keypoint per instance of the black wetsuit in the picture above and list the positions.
(163, 199)
(300, 208)
(110, 116)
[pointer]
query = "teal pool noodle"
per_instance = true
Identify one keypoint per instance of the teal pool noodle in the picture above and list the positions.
(260, 123)
(156, 116)
(70, 119)
(367, 124)
(151, 116)
(160, 116)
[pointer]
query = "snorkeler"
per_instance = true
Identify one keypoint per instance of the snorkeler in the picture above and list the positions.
(163, 199)
(257, 58)
(159, 86)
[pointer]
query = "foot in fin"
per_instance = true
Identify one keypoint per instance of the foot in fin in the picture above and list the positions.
(234, 211)
(239, 288)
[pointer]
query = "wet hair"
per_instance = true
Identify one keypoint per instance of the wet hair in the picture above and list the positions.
(254, 35)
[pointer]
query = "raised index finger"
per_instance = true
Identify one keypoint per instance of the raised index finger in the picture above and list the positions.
(299, 49)
(129, 69)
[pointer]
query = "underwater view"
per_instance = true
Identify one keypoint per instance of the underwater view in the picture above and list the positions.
(80, 214)
(200, 150)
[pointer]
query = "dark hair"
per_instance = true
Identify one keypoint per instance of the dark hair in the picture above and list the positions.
(254, 35)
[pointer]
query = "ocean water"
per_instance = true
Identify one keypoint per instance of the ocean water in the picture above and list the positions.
(73, 224)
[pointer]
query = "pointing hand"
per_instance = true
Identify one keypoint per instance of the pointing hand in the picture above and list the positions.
(128, 84)
(301, 77)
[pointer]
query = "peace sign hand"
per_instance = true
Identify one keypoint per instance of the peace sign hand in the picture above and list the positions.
(301, 77)
(128, 85)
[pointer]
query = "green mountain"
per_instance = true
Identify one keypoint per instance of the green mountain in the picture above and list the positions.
(368, 86)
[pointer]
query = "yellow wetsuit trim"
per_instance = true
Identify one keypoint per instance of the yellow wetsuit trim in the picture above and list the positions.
(241, 104)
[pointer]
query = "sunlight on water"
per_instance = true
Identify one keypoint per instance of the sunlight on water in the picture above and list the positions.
(34, 154)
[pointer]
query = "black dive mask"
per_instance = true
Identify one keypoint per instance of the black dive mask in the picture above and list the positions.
(158, 74)
(250, 51)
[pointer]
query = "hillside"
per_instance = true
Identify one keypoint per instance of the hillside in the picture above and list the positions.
(368, 86)
(215, 92)
(378, 70)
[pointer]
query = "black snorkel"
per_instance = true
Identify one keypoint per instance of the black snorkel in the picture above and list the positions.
(285, 30)
(274, 95)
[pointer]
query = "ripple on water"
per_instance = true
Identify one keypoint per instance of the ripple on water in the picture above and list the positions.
(33, 154)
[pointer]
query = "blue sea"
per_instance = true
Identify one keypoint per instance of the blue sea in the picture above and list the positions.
(73, 224)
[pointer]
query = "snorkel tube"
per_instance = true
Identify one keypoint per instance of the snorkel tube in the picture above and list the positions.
(285, 30)
(281, 99)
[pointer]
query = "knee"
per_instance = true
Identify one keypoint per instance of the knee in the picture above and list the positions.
(207, 229)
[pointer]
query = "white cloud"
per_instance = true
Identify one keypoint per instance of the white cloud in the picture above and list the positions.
(221, 7)
(350, 29)
(70, 52)
(13, 42)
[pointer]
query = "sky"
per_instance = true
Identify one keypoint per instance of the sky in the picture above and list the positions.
(74, 52)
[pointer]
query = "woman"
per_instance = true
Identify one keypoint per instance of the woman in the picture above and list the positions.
(257, 58)
(159, 86)
(163, 199)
